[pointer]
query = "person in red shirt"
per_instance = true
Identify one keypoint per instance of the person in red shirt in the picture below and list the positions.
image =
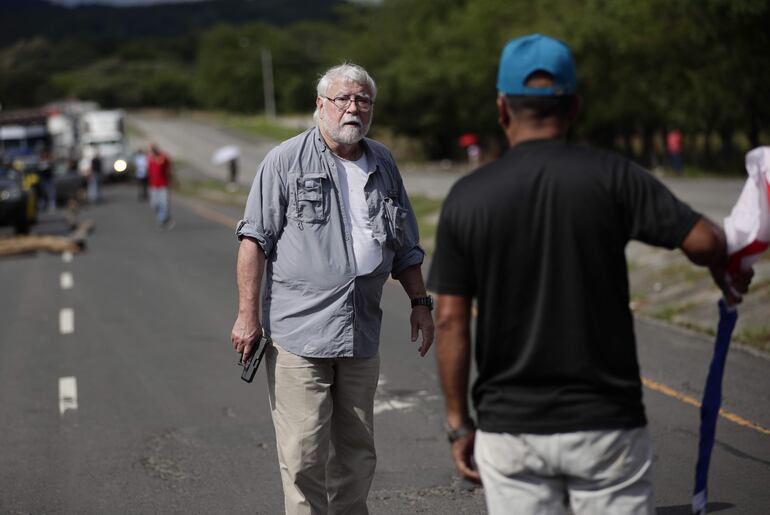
(674, 148)
(159, 180)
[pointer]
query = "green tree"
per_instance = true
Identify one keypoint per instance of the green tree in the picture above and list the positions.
(229, 67)
(116, 83)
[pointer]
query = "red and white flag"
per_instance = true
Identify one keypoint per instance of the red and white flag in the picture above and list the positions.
(748, 236)
(748, 226)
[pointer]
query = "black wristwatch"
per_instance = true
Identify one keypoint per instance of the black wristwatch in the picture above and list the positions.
(455, 433)
(423, 301)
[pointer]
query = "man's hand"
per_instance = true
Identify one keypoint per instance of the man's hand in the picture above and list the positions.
(462, 454)
(734, 284)
(246, 331)
(422, 320)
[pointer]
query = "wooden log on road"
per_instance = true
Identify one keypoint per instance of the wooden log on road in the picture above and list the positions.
(75, 242)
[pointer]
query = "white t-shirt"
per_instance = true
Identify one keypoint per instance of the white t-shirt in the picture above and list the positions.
(353, 177)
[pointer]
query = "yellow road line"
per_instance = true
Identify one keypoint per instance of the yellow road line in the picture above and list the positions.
(210, 214)
(732, 417)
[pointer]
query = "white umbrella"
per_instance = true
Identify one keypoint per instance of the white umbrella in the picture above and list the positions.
(225, 154)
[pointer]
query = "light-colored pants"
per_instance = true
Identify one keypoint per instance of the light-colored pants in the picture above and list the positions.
(159, 203)
(94, 188)
(593, 472)
(323, 413)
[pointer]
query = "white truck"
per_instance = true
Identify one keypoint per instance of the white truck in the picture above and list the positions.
(103, 132)
(64, 126)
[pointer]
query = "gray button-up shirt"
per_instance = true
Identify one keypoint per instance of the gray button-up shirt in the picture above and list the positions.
(314, 304)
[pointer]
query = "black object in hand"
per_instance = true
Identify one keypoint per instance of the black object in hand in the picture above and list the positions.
(251, 363)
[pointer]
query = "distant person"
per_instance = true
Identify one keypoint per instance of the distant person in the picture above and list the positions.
(47, 181)
(95, 178)
(537, 238)
(232, 166)
(140, 173)
(329, 215)
(674, 149)
(470, 142)
(159, 182)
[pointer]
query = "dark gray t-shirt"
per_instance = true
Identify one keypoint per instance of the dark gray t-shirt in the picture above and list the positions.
(538, 238)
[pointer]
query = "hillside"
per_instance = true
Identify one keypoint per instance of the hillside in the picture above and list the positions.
(25, 19)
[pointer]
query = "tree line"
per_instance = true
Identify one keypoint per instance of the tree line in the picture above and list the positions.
(643, 68)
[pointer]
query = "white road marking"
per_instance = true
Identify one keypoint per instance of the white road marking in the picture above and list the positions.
(68, 394)
(66, 321)
(66, 257)
(66, 281)
(381, 406)
(385, 401)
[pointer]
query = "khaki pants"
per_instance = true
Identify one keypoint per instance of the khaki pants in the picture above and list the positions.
(323, 413)
(594, 472)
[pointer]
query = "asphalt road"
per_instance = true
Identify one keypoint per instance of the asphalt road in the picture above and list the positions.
(120, 393)
(194, 143)
(158, 420)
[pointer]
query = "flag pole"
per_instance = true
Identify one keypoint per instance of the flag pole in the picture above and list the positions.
(712, 399)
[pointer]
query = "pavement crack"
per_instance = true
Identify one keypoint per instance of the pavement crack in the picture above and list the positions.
(164, 460)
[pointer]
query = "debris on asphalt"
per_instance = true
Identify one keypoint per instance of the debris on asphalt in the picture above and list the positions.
(74, 242)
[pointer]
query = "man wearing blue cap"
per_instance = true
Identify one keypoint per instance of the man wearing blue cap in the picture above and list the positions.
(537, 237)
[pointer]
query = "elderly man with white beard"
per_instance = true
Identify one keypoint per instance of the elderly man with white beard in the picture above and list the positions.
(327, 220)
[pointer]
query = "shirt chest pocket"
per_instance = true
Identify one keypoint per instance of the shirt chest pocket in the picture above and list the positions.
(309, 197)
(395, 223)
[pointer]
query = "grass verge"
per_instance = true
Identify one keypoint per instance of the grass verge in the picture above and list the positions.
(260, 126)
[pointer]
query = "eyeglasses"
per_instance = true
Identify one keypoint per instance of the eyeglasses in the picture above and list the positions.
(363, 104)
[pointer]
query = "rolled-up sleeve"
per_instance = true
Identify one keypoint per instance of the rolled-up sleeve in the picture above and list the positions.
(411, 253)
(265, 213)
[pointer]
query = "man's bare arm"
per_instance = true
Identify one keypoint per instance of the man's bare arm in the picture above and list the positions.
(249, 269)
(705, 245)
(453, 352)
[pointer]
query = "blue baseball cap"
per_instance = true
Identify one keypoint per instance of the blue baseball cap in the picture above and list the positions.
(526, 55)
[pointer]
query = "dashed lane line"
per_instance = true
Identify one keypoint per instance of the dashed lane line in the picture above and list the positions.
(66, 321)
(66, 280)
(66, 257)
(68, 394)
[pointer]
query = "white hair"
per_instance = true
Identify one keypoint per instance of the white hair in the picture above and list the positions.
(349, 72)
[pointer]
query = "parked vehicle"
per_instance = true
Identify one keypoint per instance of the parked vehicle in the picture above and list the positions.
(18, 140)
(63, 131)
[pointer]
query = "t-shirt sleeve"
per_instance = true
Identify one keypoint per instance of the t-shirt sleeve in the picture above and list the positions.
(652, 213)
(451, 270)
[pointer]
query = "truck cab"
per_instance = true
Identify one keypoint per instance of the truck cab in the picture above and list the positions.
(103, 133)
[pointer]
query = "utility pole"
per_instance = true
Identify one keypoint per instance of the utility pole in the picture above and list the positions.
(267, 82)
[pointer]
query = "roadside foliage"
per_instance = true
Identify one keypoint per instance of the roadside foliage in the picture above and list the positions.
(644, 67)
